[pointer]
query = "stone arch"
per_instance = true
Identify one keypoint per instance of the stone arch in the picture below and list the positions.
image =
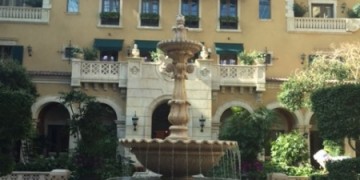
(114, 106)
(299, 117)
(149, 111)
(41, 102)
(152, 106)
(224, 107)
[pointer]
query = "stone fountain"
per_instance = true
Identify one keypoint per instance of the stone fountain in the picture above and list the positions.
(178, 156)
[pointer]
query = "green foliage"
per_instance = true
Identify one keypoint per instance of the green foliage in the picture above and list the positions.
(46, 164)
(299, 10)
(295, 93)
(319, 176)
(289, 154)
(344, 169)
(17, 94)
(249, 130)
(90, 54)
(334, 148)
(246, 58)
(337, 111)
(110, 15)
(191, 18)
(95, 155)
(153, 16)
(228, 19)
(354, 12)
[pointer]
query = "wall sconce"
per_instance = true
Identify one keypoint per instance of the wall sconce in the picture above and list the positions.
(343, 7)
(128, 51)
(202, 123)
(29, 50)
(302, 57)
(135, 120)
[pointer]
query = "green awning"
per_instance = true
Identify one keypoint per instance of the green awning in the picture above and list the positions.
(146, 46)
(108, 44)
(228, 48)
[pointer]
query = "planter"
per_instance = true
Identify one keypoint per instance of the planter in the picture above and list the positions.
(149, 22)
(110, 21)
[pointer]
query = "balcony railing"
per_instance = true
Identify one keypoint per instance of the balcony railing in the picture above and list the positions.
(59, 174)
(118, 72)
(98, 71)
(242, 75)
(308, 24)
(24, 14)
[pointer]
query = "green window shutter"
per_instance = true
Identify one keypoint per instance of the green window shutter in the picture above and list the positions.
(17, 53)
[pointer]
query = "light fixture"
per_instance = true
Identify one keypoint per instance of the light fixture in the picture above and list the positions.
(29, 50)
(135, 121)
(343, 7)
(202, 123)
(302, 57)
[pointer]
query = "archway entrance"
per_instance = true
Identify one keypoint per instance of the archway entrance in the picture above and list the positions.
(53, 129)
(160, 123)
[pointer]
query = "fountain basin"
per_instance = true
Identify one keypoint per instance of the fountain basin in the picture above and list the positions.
(178, 158)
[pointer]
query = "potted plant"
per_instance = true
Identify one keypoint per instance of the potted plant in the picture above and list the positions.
(192, 21)
(110, 18)
(228, 22)
(77, 53)
(149, 19)
(259, 57)
(90, 54)
(299, 10)
(246, 58)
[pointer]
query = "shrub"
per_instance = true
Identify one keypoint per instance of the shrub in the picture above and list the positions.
(299, 10)
(289, 154)
(344, 169)
(90, 54)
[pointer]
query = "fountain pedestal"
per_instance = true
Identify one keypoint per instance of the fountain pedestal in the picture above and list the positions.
(178, 157)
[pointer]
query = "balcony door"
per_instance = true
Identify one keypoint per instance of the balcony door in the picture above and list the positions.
(322, 10)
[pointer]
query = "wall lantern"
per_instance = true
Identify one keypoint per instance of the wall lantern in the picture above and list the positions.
(135, 120)
(202, 123)
(302, 57)
(343, 7)
(29, 50)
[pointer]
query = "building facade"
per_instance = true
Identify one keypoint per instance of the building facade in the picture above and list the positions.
(43, 34)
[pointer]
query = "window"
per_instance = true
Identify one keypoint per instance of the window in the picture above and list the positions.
(149, 13)
(228, 59)
(190, 9)
(72, 6)
(12, 52)
(228, 14)
(264, 9)
(322, 10)
(268, 58)
(12, 2)
(110, 12)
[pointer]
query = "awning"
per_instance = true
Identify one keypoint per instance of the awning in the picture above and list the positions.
(146, 46)
(228, 48)
(108, 44)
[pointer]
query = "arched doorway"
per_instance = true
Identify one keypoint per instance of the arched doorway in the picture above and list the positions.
(108, 119)
(284, 124)
(160, 123)
(53, 130)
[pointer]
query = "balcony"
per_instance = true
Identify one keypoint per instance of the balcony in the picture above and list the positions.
(24, 14)
(331, 25)
(136, 68)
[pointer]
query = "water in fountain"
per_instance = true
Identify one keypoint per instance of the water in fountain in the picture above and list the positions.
(178, 156)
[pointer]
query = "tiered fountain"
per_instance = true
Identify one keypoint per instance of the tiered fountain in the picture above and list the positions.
(178, 157)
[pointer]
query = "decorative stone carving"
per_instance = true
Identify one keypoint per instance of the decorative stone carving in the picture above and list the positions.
(134, 70)
(135, 51)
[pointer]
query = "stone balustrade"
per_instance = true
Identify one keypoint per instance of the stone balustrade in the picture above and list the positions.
(56, 174)
(118, 72)
(309, 24)
(24, 14)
